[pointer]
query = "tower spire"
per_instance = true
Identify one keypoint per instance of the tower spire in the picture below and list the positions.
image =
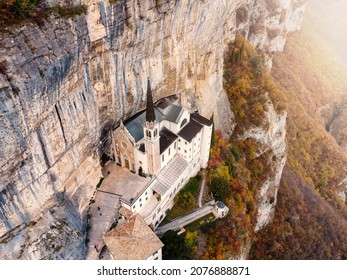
(150, 114)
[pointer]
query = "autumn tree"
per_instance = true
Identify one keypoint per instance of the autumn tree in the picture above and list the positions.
(6, 10)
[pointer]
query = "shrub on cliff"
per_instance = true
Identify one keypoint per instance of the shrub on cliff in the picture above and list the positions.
(2, 67)
(18, 11)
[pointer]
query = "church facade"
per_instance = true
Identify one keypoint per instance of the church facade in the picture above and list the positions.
(166, 142)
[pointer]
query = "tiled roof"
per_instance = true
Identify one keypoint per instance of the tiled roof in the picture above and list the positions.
(125, 212)
(132, 240)
(190, 130)
(166, 139)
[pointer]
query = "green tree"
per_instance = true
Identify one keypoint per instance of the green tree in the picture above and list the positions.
(185, 199)
(191, 242)
(174, 246)
(220, 187)
(257, 66)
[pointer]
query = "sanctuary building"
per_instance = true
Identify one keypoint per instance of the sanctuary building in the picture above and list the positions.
(167, 143)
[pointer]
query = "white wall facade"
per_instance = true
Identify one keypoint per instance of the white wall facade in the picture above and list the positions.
(141, 161)
(156, 255)
(205, 145)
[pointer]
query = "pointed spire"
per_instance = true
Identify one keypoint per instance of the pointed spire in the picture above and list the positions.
(150, 114)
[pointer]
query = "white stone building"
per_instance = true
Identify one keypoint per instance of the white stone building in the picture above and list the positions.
(167, 142)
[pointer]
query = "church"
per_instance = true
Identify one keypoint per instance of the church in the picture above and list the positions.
(166, 143)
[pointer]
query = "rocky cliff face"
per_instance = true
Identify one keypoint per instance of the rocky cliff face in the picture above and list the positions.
(338, 129)
(66, 83)
(271, 137)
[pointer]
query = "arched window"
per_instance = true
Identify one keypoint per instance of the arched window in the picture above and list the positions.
(155, 132)
(148, 134)
(183, 123)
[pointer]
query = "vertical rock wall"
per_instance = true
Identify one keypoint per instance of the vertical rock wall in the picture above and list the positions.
(66, 83)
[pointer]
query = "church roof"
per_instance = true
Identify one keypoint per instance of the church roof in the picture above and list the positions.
(135, 124)
(132, 240)
(166, 139)
(174, 113)
(190, 130)
(164, 109)
(200, 119)
(164, 103)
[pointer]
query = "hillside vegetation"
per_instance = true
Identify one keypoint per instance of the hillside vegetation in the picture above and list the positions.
(236, 171)
(14, 12)
(310, 220)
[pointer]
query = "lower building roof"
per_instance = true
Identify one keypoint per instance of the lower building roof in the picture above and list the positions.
(189, 131)
(200, 119)
(132, 240)
(170, 174)
(125, 212)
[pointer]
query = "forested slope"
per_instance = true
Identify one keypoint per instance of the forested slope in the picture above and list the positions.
(310, 220)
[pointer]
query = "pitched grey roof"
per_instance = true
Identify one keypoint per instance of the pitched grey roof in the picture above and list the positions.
(170, 174)
(166, 139)
(135, 124)
(190, 130)
(164, 103)
(163, 110)
(160, 188)
(174, 113)
(220, 205)
(200, 119)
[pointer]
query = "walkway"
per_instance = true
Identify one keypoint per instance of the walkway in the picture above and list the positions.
(186, 219)
(202, 187)
(107, 202)
(101, 221)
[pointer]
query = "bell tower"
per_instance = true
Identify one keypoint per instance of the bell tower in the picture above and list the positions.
(151, 135)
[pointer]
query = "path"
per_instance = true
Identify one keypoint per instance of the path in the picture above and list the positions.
(202, 188)
(107, 202)
(101, 221)
(186, 219)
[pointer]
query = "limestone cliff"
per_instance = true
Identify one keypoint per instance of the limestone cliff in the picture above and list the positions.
(66, 83)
